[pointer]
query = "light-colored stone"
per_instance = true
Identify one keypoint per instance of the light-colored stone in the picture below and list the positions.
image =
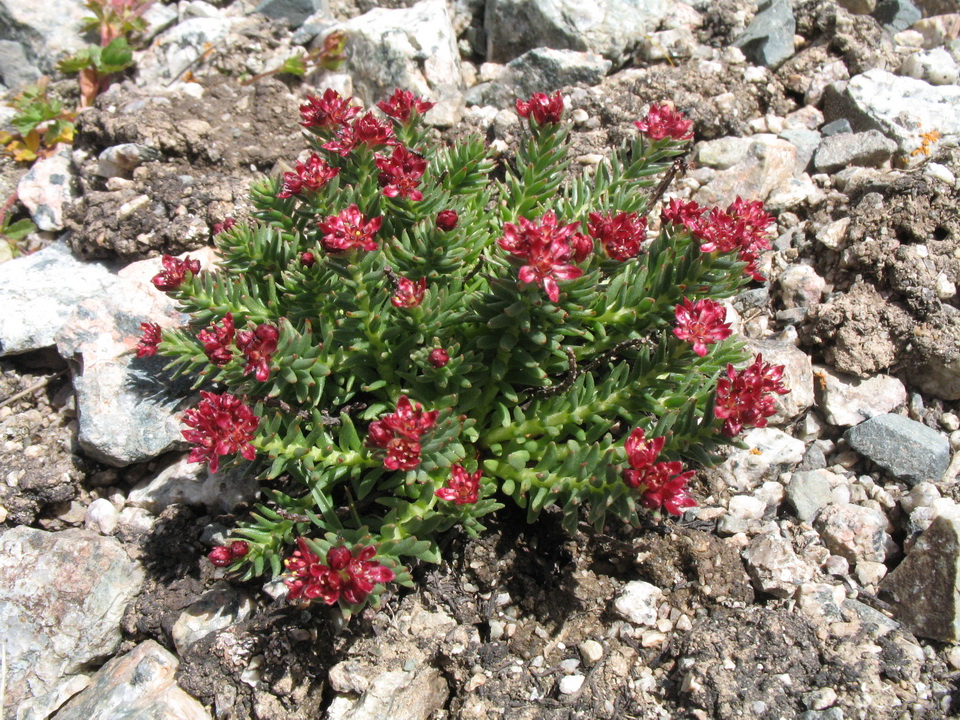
(192, 484)
(855, 532)
(770, 452)
(139, 684)
(62, 596)
(639, 602)
(591, 651)
(847, 400)
(767, 164)
(773, 565)
(218, 608)
(101, 517)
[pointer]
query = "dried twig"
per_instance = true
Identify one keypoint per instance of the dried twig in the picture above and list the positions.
(32, 389)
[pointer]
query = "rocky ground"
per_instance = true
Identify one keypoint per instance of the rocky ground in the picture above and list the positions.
(817, 578)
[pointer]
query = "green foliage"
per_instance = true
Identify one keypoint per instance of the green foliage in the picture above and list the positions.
(538, 396)
(40, 121)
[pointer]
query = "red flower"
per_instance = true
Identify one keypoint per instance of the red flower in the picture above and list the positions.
(400, 432)
(743, 397)
(345, 575)
(701, 323)
(307, 258)
(174, 272)
(621, 235)
(239, 548)
(366, 130)
(311, 176)
(217, 340)
(438, 357)
(545, 109)
(329, 111)
(258, 347)
(400, 173)
(222, 425)
(409, 293)
(662, 121)
(149, 340)
(224, 226)
(402, 104)
(662, 484)
(546, 248)
(349, 230)
(447, 220)
(462, 488)
(683, 213)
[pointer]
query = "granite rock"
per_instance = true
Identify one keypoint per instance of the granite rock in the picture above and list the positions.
(907, 449)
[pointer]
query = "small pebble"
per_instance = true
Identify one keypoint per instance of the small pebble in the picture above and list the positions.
(591, 651)
(571, 684)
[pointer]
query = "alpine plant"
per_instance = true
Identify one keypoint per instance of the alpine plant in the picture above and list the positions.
(396, 343)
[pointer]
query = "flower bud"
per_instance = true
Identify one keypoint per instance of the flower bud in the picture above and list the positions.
(221, 556)
(439, 357)
(239, 548)
(307, 259)
(447, 220)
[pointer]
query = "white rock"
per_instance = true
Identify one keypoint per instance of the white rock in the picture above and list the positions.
(47, 187)
(101, 517)
(945, 287)
(191, 484)
(833, 234)
(857, 533)
(591, 651)
(746, 507)
(846, 400)
(571, 684)
(800, 286)
(773, 565)
(639, 602)
(219, 607)
(770, 452)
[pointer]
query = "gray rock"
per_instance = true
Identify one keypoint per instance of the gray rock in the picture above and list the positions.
(293, 12)
(899, 107)
(770, 453)
(218, 608)
(46, 187)
(177, 49)
(908, 450)
(936, 67)
(806, 142)
(865, 149)
(774, 567)
(768, 40)
(925, 588)
(127, 411)
(722, 153)
(807, 492)
(191, 484)
(612, 28)
(668, 45)
(848, 400)
(47, 31)
(62, 596)
(139, 684)
(797, 376)
(39, 292)
(639, 602)
(411, 48)
(896, 15)
(854, 532)
(769, 162)
(800, 286)
(813, 459)
(540, 70)
(16, 71)
(158, 18)
(840, 126)
(413, 695)
(821, 602)
(875, 623)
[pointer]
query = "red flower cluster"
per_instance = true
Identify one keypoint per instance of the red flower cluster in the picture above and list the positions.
(744, 397)
(331, 110)
(403, 104)
(400, 434)
(544, 108)
(741, 227)
(258, 347)
(701, 323)
(462, 488)
(222, 425)
(224, 555)
(307, 259)
(224, 226)
(217, 340)
(547, 249)
(147, 346)
(621, 235)
(409, 293)
(345, 575)
(366, 130)
(447, 220)
(400, 173)
(438, 358)
(311, 175)
(174, 272)
(662, 121)
(349, 230)
(663, 483)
